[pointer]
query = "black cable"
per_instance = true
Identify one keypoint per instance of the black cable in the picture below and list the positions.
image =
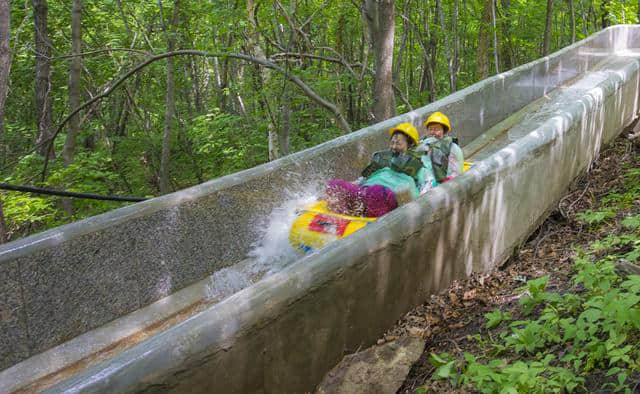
(40, 190)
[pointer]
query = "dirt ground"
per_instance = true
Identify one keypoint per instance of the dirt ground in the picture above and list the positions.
(448, 320)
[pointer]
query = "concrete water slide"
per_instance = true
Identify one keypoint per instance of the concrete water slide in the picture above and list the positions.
(116, 302)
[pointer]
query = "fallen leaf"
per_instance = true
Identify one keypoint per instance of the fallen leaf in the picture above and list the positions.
(432, 319)
(458, 325)
(469, 295)
(417, 332)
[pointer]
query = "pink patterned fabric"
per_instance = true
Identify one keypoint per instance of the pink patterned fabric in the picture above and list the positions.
(350, 199)
(378, 200)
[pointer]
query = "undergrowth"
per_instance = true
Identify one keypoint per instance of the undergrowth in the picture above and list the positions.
(559, 342)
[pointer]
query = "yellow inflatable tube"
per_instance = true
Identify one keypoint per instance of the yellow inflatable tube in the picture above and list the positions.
(316, 226)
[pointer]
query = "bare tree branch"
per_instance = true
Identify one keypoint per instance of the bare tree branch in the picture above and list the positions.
(98, 51)
(295, 28)
(346, 65)
(309, 92)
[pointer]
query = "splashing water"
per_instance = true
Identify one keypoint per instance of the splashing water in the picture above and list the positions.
(272, 252)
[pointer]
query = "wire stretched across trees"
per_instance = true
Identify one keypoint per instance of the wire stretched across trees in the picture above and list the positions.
(63, 193)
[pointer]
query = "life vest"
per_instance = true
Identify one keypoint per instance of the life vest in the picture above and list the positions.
(408, 163)
(439, 155)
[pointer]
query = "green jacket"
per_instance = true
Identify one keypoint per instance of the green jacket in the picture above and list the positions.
(400, 173)
(442, 158)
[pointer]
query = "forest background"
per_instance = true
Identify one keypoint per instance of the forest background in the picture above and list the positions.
(143, 98)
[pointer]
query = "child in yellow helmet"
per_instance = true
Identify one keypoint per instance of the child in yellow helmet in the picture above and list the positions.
(393, 176)
(441, 156)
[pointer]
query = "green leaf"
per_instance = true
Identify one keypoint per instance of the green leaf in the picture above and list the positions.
(591, 315)
(438, 360)
(446, 371)
(509, 390)
(595, 217)
(496, 317)
(632, 222)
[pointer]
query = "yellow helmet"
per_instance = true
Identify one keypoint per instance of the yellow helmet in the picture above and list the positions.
(438, 117)
(407, 129)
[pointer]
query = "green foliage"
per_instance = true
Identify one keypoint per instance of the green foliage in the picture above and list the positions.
(592, 329)
(496, 317)
(632, 222)
(222, 146)
(445, 366)
(564, 343)
(595, 217)
(23, 210)
(89, 173)
(535, 294)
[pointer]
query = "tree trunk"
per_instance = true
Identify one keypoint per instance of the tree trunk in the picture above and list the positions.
(449, 49)
(74, 81)
(585, 21)
(74, 92)
(605, 13)
(495, 36)
(455, 58)
(432, 57)
(169, 104)
(124, 19)
(197, 86)
(507, 49)
(285, 124)
(5, 60)
(381, 24)
(572, 15)
(222, 76)
(483, 41)
(547, 29)
(261, 76)
(397, 70)
(43, 78)
(283, 128)
(4, 232)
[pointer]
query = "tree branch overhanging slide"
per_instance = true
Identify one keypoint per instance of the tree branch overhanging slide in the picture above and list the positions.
(309, 92)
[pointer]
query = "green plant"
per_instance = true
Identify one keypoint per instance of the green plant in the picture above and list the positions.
(573, 335)
(496, 317)
(595, 217)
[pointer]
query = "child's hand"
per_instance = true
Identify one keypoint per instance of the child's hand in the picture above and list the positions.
(403, 197)
(423, 148)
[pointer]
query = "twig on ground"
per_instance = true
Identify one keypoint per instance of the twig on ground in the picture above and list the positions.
(454, 344)
(546, 235)
(586, 187)
(633, 136)
(635, 387)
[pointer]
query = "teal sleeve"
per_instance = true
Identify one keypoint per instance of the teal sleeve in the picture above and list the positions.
(421, 178)
(429, 177)
(456, 161)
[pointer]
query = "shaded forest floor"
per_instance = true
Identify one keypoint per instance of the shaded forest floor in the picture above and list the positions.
(449, 321)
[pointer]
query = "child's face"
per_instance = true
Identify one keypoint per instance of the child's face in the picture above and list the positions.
(399, 143)
(435, 130)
